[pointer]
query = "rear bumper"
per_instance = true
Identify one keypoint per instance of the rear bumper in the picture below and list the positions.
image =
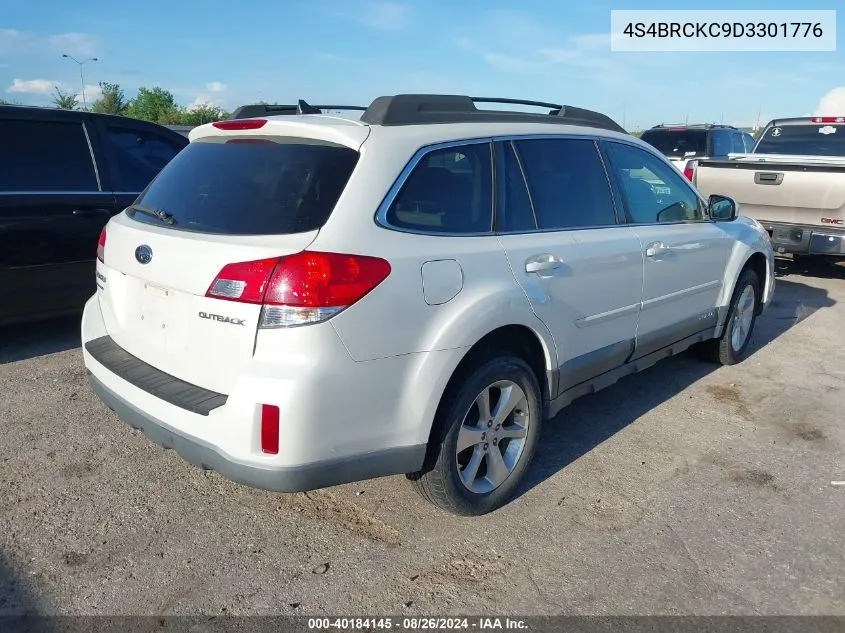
(805, 239)
(266, 477)
(342, 420)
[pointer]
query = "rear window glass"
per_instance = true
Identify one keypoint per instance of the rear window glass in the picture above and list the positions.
(249, 188)
(819, 139)
(677, 143)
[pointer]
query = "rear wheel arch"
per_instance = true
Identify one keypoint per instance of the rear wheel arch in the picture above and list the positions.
(509, 340)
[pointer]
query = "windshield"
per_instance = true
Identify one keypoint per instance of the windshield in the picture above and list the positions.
(677, 143)
(818, 139)
(247, 188)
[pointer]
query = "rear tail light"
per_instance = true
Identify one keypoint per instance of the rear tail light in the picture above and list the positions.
(829, 119)
(689, 170)
(299, 289)
(101, 245)
(270, 429)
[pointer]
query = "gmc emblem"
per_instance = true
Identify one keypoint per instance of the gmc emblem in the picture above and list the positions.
(832, 221)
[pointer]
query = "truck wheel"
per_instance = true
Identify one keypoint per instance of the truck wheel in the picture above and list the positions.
(732, 347)
(489, 428)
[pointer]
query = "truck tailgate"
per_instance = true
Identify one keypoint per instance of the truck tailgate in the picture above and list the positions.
(795, 193)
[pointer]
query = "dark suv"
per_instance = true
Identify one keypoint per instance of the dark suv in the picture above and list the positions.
(63, 174)
(685, 144)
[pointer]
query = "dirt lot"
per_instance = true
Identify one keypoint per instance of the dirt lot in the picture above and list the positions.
(685, 489)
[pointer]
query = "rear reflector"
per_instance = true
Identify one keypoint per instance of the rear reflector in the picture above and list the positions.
(101, 245)
(307, 287)
(270, 429)
(240, 124)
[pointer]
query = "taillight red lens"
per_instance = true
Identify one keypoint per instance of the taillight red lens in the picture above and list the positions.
(299, 289)
(688, 173)
(307, 279)
(319, 280)
(240, 124)
(270, 429)
(101, 245)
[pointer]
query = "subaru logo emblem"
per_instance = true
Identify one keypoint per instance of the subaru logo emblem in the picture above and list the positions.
(143, 254)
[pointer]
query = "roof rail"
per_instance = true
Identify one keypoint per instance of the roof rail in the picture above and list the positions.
(420, 109)
(301, 107)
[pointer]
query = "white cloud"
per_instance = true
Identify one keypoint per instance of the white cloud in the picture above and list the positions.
(215, 86)
(386, 16)
(832, 104)
(202, 100)
(92, 93)
(32, 86)
(13, 42)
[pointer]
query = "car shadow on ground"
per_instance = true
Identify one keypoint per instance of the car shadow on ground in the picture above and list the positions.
(592, 419)
(809, 267)
(19, 603)
(29, 340)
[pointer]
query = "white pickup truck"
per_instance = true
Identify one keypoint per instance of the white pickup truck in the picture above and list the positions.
(793, 183)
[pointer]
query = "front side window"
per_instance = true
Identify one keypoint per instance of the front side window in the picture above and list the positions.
(654, 191)
(567, 183)
(45, 156)
(449, 191)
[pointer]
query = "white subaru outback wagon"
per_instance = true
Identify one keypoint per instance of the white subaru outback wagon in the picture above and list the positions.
(301, 300)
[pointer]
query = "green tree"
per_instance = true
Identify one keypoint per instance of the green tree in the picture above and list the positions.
(65, 100)
(156, 105)
(113, 100)
(203, 113)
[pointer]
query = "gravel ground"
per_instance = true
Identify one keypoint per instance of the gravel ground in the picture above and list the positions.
(686, 489)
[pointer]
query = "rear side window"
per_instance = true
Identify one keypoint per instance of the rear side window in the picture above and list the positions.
(567, 183)
(737, 144)
(818, 139)
(722, 143)
(45, 156)
(250, 188)
(449, 191)
(138, 156)
(677, 143)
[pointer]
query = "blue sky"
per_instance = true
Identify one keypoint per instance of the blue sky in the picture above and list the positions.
(350, 52)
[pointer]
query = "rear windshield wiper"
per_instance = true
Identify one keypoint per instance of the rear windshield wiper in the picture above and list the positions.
(164, 216)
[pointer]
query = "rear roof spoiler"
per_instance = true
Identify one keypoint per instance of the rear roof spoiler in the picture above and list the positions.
(301, 107)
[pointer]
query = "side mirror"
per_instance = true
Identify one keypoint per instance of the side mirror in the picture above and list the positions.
(721, 208)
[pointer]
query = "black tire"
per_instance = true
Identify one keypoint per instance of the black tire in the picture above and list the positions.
(440, 482)
(721, 350)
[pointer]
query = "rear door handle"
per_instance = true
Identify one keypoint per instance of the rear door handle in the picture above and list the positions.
(541, 263)
(90, 213)
(656, 249)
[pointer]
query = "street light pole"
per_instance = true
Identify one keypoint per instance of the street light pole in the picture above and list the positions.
(81, 78)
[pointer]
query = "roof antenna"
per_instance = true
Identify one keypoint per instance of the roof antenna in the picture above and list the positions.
(303, 108)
